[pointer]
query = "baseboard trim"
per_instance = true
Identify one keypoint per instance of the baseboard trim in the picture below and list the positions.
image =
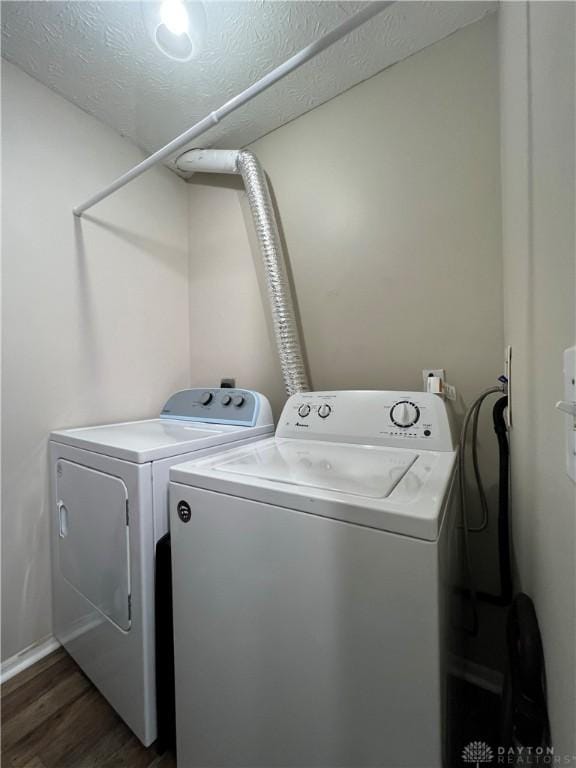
(24, 659)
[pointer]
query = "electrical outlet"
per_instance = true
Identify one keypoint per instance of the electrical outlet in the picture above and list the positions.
(440, 373)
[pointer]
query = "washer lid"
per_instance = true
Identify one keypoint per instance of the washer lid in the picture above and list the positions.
(357, 470)
(392, 489)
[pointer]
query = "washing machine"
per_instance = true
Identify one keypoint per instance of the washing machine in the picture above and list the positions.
(312, 588)
(109, 495)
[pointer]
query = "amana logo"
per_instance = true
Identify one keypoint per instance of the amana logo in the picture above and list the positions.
(184, 511)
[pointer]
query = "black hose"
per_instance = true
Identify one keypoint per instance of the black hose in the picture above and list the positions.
(504, 557)
(525, 713)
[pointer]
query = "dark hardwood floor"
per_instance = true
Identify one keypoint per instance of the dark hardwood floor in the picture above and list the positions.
(53, 717)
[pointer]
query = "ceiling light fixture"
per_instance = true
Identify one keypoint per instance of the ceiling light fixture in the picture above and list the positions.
(174, 16)
(177, 27)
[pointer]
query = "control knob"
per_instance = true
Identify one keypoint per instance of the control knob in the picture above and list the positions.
(226, 400)
(238, 400)
(303, 411)
(404, 414)
(206, 398)
(324, 411)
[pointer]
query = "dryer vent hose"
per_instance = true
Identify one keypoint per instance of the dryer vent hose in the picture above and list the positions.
(281, 302)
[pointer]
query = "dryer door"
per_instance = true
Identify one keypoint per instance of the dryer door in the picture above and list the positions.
(94, 538)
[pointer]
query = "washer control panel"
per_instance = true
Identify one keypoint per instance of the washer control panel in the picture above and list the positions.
(388, 418)
(240, 407)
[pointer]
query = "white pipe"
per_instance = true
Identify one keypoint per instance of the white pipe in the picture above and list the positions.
(208, 161)
(233, 104)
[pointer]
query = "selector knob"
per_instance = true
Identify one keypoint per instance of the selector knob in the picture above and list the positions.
(303, 411)
(324, 411)
(404, 414)
(206, 397)
(226, 400)
(238, 400)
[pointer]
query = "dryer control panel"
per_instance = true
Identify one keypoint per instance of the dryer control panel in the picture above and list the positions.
(388, 418)
(237, 407)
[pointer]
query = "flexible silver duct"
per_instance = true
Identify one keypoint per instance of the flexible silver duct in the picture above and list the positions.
(286, 330)
(281, 303)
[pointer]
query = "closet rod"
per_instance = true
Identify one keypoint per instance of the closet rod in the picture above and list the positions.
(242, 98)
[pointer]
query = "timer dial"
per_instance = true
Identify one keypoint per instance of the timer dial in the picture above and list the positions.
(404, 414)
(324, 411)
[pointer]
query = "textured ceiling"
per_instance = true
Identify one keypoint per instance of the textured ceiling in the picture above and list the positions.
(100, 57)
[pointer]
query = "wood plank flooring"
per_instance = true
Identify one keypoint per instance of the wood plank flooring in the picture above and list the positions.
(53, 717)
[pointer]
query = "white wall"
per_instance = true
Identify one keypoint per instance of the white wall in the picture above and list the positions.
(389, 199)
(95, 323)
(538, 85)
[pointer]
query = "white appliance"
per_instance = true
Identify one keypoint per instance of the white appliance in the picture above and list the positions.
(109, 508)
(311, 574)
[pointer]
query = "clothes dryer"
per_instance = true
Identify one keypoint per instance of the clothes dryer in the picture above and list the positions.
(109, 487)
